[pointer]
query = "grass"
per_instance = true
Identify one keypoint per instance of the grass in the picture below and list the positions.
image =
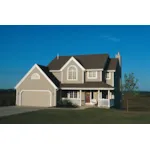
(87, 116)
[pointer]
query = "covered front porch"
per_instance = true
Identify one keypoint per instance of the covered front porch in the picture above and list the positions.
(96, 97)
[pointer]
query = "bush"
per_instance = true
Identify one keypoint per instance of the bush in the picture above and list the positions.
(66, 103)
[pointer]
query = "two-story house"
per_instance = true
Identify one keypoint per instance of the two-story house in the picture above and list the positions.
(82, 79)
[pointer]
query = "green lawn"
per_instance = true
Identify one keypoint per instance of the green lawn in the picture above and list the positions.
(87, 116)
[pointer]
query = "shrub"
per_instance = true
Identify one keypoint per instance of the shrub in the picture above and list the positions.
(66, 103)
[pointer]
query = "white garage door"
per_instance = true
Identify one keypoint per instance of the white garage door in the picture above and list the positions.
(36, 98)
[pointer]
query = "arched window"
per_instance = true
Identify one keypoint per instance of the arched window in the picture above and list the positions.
(35, 76)
(72, 73)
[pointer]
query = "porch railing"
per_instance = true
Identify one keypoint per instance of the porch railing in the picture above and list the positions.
(106, 103)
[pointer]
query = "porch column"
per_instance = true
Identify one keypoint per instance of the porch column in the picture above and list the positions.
(98, 97)
(80, 98)
(108, 98)
(100, 94)
(108, 94)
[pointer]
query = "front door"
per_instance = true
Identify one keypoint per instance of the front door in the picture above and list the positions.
(87, 97)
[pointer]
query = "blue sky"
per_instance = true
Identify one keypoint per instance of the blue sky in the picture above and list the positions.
(23, 46)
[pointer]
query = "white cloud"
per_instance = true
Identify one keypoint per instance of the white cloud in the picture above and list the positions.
(111, 38)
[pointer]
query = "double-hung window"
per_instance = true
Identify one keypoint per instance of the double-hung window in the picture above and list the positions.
(73, 94)
(92, 74)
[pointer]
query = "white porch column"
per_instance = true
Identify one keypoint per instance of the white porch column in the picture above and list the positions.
(108, 98)
(80, 98)
(98, 98)
(108, 94)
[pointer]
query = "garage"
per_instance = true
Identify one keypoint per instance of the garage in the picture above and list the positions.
(35, 98)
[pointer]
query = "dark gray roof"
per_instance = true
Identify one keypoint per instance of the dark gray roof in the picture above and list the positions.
(111, 64)
(50, 75)
(87, 85)
(94, 61)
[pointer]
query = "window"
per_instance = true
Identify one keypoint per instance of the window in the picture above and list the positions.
(72, 94)
(92, 74)
(72, 73)
(107, 75)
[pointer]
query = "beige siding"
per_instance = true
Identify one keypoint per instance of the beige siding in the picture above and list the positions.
(82, 95)
(99, 76)
(41, 84)
(82, 98)
(80, 74)
(96, 95)
(111, 80)
(57, 75)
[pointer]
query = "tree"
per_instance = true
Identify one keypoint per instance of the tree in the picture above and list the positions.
(130, 86)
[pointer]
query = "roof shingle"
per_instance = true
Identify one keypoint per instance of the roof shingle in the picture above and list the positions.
(94, 61)
(112, 64)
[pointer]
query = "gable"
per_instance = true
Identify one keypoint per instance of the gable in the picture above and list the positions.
(71, 60)
(64, 73)
(35, 76)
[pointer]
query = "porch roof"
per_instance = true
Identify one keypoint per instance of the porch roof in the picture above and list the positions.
(86, 85)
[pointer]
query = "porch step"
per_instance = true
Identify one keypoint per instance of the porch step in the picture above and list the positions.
(88, 106)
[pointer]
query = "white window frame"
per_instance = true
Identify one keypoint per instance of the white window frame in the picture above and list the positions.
(88, 73)
(73, 92)
(106, 75)
(76, 73)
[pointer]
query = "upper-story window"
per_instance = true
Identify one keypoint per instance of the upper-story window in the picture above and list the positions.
(72, 73)
(107, 75)
(92, 74)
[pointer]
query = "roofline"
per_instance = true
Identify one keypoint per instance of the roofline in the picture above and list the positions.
(72, 58)
(54, 70)
(75, 88)
(26, 75)
(94, 69)
(88, 54)
(111, 70)
(85, 70)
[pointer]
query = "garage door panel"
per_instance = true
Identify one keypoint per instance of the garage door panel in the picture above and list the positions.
(35, 98)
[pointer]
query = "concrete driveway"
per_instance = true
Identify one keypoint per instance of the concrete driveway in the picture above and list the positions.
(11, 110)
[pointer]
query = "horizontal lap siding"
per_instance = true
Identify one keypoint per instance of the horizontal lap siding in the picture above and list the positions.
(96, 95)
(57, 75)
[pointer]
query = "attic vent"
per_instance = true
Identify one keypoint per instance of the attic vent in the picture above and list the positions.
(35, 76)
